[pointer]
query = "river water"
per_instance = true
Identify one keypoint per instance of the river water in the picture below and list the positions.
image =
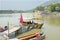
(52, 32)
(13, 19)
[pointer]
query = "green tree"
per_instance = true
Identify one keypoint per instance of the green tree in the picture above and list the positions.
(40, 8)
(57, 8)
(54, 7)
(51, 7)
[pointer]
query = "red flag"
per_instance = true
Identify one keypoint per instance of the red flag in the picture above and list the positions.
(21, 18)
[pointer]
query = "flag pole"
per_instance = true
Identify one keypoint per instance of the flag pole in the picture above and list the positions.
(8, 30)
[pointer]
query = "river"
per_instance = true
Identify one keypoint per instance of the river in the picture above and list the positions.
(52, 32)
(13, 19)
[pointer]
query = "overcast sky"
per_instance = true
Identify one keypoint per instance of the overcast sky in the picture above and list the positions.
(19, 4)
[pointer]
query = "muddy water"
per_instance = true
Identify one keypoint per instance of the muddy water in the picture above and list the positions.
(52, 32)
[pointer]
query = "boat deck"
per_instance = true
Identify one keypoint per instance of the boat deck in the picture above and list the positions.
(11, 30)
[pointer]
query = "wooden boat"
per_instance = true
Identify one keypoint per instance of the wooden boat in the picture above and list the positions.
(28, 34)
(29, 23)
(33, 36)
(3, 29)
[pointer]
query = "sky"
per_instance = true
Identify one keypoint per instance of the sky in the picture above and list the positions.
(20, 4)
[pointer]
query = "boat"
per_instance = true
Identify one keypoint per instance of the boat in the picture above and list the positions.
(36, 28)
(3, 29)
(29, 23)
(33, 36)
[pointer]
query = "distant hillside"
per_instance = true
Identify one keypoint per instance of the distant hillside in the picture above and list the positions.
(49, 6)
(50, 1)
(30, 11)
(14, 11)
(6, 11)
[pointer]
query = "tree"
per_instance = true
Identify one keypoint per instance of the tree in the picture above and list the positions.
(57, 8)
(54, 7)
(51, 7)
(40, 8)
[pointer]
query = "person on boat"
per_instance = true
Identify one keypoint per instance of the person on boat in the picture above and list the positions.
(6, 28)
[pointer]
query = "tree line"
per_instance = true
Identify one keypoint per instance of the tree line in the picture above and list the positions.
(51, 7)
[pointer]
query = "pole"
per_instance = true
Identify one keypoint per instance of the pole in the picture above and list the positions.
(8, 29)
